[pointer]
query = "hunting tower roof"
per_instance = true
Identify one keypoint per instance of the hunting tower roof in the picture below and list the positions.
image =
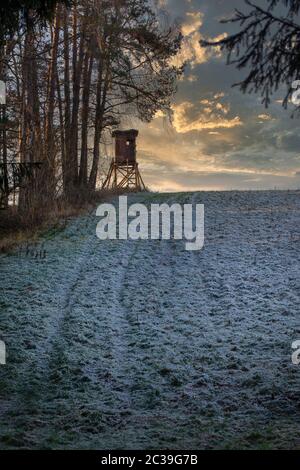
(131, 133)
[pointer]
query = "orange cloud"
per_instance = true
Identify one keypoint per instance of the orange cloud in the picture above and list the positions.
(188, 118)
(191, 52)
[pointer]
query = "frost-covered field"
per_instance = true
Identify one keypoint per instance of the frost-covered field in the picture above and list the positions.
(124, 344)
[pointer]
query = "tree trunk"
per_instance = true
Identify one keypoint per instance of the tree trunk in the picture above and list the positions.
(30, 133)
(102, 89)
(67, 103)
(49, 162)
(72, 180)
(62, 132)
(87, 75)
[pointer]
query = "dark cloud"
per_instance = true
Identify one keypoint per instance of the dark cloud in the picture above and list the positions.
(289, 141)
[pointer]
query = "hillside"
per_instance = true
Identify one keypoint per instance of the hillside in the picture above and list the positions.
(138, 344)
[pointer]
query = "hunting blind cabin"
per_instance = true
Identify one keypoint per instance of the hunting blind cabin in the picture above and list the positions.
(124, 171)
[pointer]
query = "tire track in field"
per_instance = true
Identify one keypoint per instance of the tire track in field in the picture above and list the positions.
(119, 325)
(111, 397)
(31, 380)
(147, 344)
(152, 260)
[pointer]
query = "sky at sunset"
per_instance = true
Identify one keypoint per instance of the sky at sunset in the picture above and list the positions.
(220, 139)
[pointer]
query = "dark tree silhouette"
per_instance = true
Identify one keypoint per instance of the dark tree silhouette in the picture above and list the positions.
(267, 47)
(15, 12)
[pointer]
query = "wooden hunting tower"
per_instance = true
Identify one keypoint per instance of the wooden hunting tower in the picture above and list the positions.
(124, 171)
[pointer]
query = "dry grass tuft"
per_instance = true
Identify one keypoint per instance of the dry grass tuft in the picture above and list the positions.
(17, 228)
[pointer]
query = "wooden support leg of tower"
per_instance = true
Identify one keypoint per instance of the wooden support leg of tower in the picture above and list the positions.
(115, 174)
(128, 181)
(124, 177)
